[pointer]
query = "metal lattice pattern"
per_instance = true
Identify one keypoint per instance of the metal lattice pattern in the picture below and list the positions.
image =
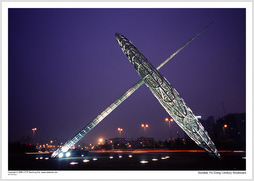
(167, 96)
(114, 105)
(97, 120)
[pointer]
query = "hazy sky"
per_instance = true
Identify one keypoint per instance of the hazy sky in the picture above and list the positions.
(65, 67)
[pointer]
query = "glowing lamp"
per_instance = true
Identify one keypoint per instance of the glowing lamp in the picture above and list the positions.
(68, 154)
(60, 155)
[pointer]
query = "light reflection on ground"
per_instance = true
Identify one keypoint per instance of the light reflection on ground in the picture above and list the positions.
(133, 160)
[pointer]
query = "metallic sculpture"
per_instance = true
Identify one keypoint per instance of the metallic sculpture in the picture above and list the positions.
(167, 95)
(76, 138)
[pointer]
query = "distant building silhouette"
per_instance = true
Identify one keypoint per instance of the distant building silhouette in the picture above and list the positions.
(145, 140)
(232, 126)
(117, 140)
(228, 132)
(141, 142)
(26, 140)
(209, 125)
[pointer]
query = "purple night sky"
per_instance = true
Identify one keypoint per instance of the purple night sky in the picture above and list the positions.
(65, 67)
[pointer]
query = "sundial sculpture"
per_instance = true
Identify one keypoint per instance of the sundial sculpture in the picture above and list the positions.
(162, 90)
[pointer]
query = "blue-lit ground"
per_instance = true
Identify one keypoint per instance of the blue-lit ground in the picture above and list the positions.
(130, 161)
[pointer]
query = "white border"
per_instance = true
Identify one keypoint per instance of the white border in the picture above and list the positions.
(249, 131)
(4, 90)
(125, 174)
(127, 4)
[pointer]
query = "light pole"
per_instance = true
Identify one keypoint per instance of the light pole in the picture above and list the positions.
(144, 126)
(169, 120)
(33, 130)
(100, 140)
(120, 131)
(224, 131)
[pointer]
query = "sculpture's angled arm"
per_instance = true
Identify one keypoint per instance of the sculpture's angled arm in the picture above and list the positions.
(167, 96)
(97, 120)
(187, 43)
(109, 109)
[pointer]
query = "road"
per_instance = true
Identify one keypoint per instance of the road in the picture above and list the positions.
(181, 161)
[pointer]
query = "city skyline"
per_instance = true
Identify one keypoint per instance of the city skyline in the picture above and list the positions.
(65, 67)
(215, 128)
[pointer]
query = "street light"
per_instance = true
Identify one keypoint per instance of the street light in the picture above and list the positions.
(224, 131)
(100, 141)
(33, 130)
(224, 127)
(120, 131)
(144, 126)
(169, 120)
